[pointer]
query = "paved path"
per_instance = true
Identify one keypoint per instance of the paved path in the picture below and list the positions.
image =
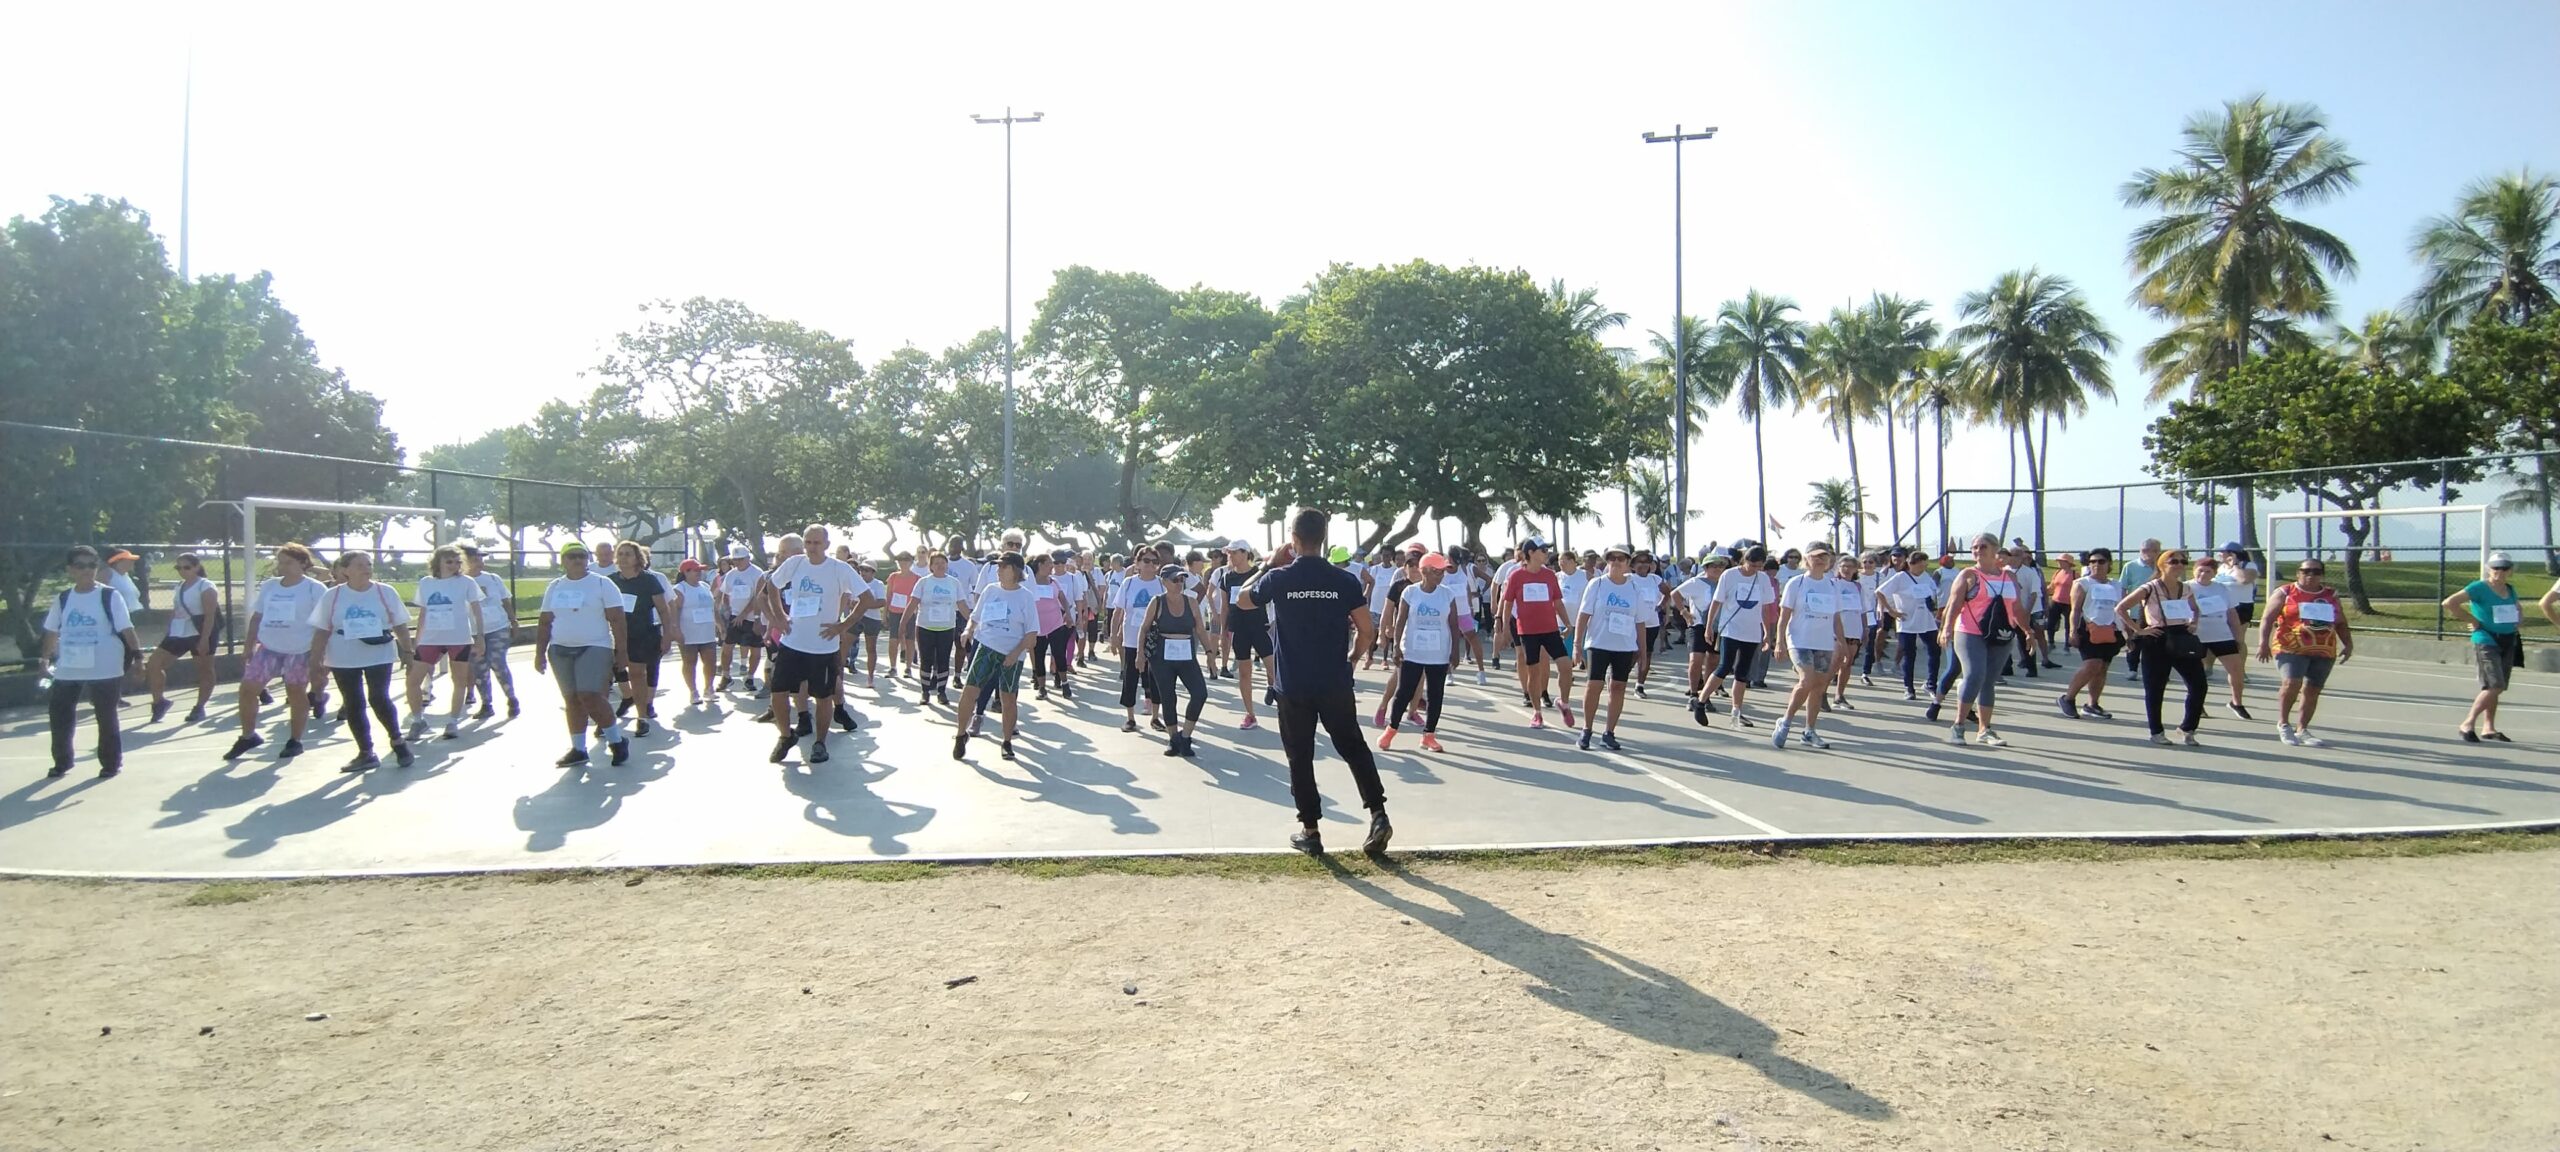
(701, 791)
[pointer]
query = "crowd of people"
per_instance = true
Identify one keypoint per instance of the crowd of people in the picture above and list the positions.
(1291, 624)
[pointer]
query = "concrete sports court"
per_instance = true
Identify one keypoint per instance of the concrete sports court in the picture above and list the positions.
(699, 790)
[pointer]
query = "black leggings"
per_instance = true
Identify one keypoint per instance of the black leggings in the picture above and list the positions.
(2157, 663)
(1165, 673)
(62, 704)
(1055, 652)
(1733, 660)
(358, 687)
(1412, 677)
(933, 658)
(1912, 643)
(1131, 683)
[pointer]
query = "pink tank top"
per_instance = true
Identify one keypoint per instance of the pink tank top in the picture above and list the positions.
(1051, 614)
(1988, 591)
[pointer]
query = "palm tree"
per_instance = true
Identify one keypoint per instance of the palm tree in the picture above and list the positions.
(1841, 377)
(1710, 382)
(2387, 341)
(1901, 334)
(1941, 381)
(2224, 260)
(2497, 255)
(1651, 490)
(1835, 501)
(2038, 352)
(1765, 344)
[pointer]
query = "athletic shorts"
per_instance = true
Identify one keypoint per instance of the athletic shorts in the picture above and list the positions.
(1537, 645)
(582, 669)
(1814, 660)
(868, 627)
(1698, 638)
(1607, 664)
(294, 668)
(1466, 622)
(2497, 661)
(1250, 640)
(746, 632)
(2221, 648)
(2314, 669)
(2248, 612)
(1734, 661)
(2102, 653)
(646, 647)
(432, 654)
(795, 672)
(988, 668)
(179, 645)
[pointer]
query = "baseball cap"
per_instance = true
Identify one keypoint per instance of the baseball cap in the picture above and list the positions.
(573, 548)
(1435, 561)
(2234, 549)
(737, 551)
(1240, 544)
(689, 564)
(2501, 560)
(1415, 546)
(121, 554)
(1339, 554)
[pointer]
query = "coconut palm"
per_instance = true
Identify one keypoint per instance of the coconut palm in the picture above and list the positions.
(2224, 261)
(1710, 381)
(2037, 352)
(2496, 256)
(1835, 501)
(2223, 247)
(1941, 382)
(1845, 374)
(1651, 491)
(1582, 307)
(2387, 341)
(1764, 346)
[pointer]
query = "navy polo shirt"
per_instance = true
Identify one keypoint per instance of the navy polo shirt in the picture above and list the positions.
(1311, 604)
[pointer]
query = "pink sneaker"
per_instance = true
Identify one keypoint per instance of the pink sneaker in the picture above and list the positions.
(1567, 709)
(1430, 744)
(1248, 724)
(1386, 739)
(1380, 719)
(1537, 718)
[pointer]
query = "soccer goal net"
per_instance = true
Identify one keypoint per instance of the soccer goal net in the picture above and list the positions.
(2426, 554)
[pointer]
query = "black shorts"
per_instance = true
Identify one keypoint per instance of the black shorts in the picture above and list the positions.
(646, 647)
(2102, 653)
(1733, 661)
(179, 645)
(1609, 665)
(1537, 645)
(2221, 648)
(746, 632)
(1698, 641)
(2248, 612)
(795, 672)
(1249, 640)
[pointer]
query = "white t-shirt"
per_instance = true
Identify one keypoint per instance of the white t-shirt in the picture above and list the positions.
(880, 600)
(284, 614)
(1382, 580)
(122, 583)
(2098, 605)
(1816, 604)
(738, 591)
(1131, 600)
(183, 607)
(86, 625)
(1005, 615)
(697, 613)
(937, 602)
(496, 615)
(815, 595)
(1741, 600)
(1573, 584)
(2213, 611)
(1699, 593)
(351, 616)
(1909, 595)
(964, 570)
(1616, 612)
(1078, 590)
(444, 610)
(577, 608)
(1430, 622)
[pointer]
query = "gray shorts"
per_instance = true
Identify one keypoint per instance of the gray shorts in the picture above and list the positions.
(1814, 660)
(582, 668)
(2497, 660)
(2314, 669)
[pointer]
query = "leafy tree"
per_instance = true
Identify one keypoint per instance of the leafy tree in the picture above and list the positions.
(2497, 256)
(457, 486)
(2514, 372)
(96, 333)
(935, 443)
(1941, 382)
(2311, 410)
(2036, 352)
(1902, 334)
(1763, 345)
(1836, 502)
(2386, 342)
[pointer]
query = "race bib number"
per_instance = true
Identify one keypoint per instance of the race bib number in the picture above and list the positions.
(995, 612)
(698, 611)
(1533, 593)
(1618, 627)
(569, 599)
(2212, 605)
(444, 617)
(804, 604)
(1177, 647)
(2177, 611)
(938, 615)
(630, 603)
(2318, 613)
(1429, 647)
(897, 601)
(363, 627)
(1820, 604)
(76, 657)
(2505, 614)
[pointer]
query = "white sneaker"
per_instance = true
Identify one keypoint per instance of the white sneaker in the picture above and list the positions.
(1814, 741)
(2284, 732)
(2308, 740)
(1991, 740)
(2160, 738)
(1480, 679)
(1955, 735)
(2189, 739)
(1778, 736)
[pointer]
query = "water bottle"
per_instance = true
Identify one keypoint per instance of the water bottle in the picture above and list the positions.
(44, 683)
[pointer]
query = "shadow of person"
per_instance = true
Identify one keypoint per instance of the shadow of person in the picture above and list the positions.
(23, 805)
(1611, 989)
(225, 787)
(341, 796)
(838, 797)
(1049, 787)
(585, 797)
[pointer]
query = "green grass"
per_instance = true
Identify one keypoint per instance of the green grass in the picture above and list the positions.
(214, 894)
(2421, 617)
(2417, 579)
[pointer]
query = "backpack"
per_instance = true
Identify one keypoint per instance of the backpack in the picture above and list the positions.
(132, 649)
(1997, 628)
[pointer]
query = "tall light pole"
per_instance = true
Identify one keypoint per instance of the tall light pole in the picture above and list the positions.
(1679, 348)
(186, 161)
(1008, 120)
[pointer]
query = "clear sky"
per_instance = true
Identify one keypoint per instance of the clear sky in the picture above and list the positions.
(465, 202)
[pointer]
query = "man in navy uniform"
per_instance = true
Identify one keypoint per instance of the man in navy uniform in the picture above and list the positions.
(1316, 610)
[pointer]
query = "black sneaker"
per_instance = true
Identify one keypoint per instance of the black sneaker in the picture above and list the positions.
(960, 745)
(195, 715)
(513, 708)
(782, 749)
(621, 751)
(818, 752)
(1005, 749)
(2094, 710)
(641, 728)
(2070, 707)
(1190, 749)
(1173, 747)
(110, 772)
(623, 708)
(1380, 831)
(241, 746)
(2238, 710)
(722, 686)
(487, 711)
(56, 773)
(1158, 725)
(1609, 740)
(401, 755)
(1128, 725)
(159, 708)
(1933, 708)
(755, 686)
(1698, 712)
(1585, 742)
(804, 727)
(571, 758)
(364, 759)
(1311, 843)
(292, 748)
(845, 720)
(266, 699)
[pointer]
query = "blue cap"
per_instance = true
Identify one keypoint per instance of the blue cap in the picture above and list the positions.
(2234, 547)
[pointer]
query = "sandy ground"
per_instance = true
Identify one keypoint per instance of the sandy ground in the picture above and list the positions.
(2379, 1004)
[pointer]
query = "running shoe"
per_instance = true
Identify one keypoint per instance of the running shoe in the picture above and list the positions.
(2284, 733)
(1248, 724)
(1585, 742)
(241, 746)
(453, 730)
(159, 708)
(1934, 707)
(960, 745)
(1386, 740)
(1844, 705)
(56, 772)
(1698, 712)
(1379, 833)
(621, 751)
(1480, 678)
(803, 727)
(2070, 707)
(1908, 694)
(1005, 749)
(1567, 709)
(1379, 719)
(1431, 743)
(1811, 740)
(417, 727)
(2468, 736)
(2094, 710)
(1866, 680)
(1955, 735)
(781, 750)
(110, 772)
(2236, 708)
(1744, 720)
(755, 686)
(513, 708)
(364, 759)
(2311, 741)
(818, 752)
(2160, 738)
(487, 711)
(1157, 724)
(1779, 734)
(2500, 737)
(1130, 725)
(1991, 740)
(2189, 739)
(641, 728)
(292, 748)
(401, 754)
(1311, 843)
(1640, 695)
(1538, 720)
(1609, 740)
(195, 715)
(622, 707)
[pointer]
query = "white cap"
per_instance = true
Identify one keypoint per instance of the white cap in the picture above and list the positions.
(737, 551)
(2501, 560)
(1239, 544)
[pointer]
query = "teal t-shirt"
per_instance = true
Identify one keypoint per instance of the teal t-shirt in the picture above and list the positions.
(2485, 603)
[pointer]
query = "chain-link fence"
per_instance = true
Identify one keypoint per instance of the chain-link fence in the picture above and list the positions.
(2403, 566)
(160, 498)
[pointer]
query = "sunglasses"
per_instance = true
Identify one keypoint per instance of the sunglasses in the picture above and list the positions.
(2314, 571)
(83, 565)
